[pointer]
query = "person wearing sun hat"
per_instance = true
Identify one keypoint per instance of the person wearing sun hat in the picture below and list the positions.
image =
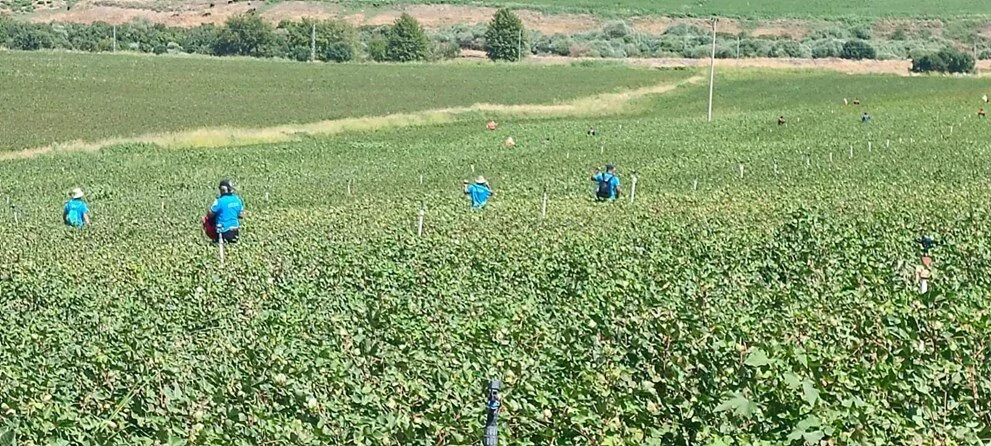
(223, 218)
(76, 213)
(479, 192)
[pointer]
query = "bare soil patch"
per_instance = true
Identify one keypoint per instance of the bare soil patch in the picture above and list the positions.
(198, 12)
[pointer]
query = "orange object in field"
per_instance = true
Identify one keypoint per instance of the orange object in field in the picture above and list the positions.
(491, 125)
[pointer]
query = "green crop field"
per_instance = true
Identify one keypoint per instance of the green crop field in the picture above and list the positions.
(58, 97)
(758, 290)
(732, 8)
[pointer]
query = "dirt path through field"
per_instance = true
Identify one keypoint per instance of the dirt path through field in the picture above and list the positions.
(597, 105)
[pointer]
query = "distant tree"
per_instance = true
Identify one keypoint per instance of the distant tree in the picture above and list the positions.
(201, 39)
(957, 61)
(857, 49)
(336, 40)
(505, 37)
(407, 41)
(245, 35)
(947, 60)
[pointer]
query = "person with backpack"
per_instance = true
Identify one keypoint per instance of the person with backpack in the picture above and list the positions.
(76, 213)
(223, 219)
(479, 192)
(608, 183)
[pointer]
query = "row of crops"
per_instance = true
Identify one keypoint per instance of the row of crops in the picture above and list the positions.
(776, 307)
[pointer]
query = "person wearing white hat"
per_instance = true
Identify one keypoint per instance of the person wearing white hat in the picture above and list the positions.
(76, 213)
(479, 192)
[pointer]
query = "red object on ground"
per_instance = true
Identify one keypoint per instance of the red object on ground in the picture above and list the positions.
(209, 228)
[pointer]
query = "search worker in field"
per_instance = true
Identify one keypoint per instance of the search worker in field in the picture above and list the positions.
(76, 213)
(608, 183)
(223, 219)
(865, 118)
(479, 192)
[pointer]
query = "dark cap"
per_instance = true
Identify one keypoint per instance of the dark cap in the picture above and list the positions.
(226, 186)
(610, 167)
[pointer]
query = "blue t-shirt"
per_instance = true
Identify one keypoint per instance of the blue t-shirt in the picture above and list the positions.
(74, 211)
(613, 180)
(479, 194)
(227, 210)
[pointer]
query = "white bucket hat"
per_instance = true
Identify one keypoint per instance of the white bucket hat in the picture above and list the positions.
(481, 180)
(77, 193)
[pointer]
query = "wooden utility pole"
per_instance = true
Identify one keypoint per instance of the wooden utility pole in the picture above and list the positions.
(313, 43)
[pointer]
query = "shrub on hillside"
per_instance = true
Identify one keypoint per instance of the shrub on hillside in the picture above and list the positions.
(505, 38)
(858, 50)
(827, 48)
(947, 60)
(378, 49)
(336, 40)
(245, 35)
(201, 39)
(406, 40)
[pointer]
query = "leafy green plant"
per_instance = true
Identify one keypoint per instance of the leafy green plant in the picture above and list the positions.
(506, 37)
(406, 40)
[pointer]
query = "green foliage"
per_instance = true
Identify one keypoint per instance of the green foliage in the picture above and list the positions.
(245, 35)
(734, 312)
(827, 48)
(201, 39)
(336, 40)
(378, 49)
(506, 37)
(857, 49)
(406, 41)
(947, 60)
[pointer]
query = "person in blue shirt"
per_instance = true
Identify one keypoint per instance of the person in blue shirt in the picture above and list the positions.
(479, 191)
(608, 183)
(865, 118)
(76, 213)
(226, 213)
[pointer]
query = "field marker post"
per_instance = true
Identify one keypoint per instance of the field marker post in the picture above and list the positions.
(421, 179)
(220, 244)
(349, 188)
(951, 129)
(851, 151)
(712, 67)
(695, 185)
(808, 161)
(870, 147)
(633, 188)
(266, 195)
(115, 39)
(419, 226)
(568, 155)
(313, 42)
(737, 46)
(163, 205)
(775, 167)
(830, 157)
(519, 55)
(602, 149)
(473, 169)
(543, 205)
(887, 143)
(13, 208)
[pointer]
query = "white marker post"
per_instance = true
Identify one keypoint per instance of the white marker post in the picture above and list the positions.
(419, 226)
(543, 206)
(163, 205)
(741, 171)
(349, 188)
(602, 149)
(695, 185)
(421, 179)
(808, 161)
(16, 214)
(870, 146)
(633, 189)
(775, 168)
(568, 155)
(851, 152)
(473, 169)
(887, 143)
(830, 157)
(220, 244)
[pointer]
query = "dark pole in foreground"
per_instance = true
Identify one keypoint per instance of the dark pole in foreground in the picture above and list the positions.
(492, 423)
